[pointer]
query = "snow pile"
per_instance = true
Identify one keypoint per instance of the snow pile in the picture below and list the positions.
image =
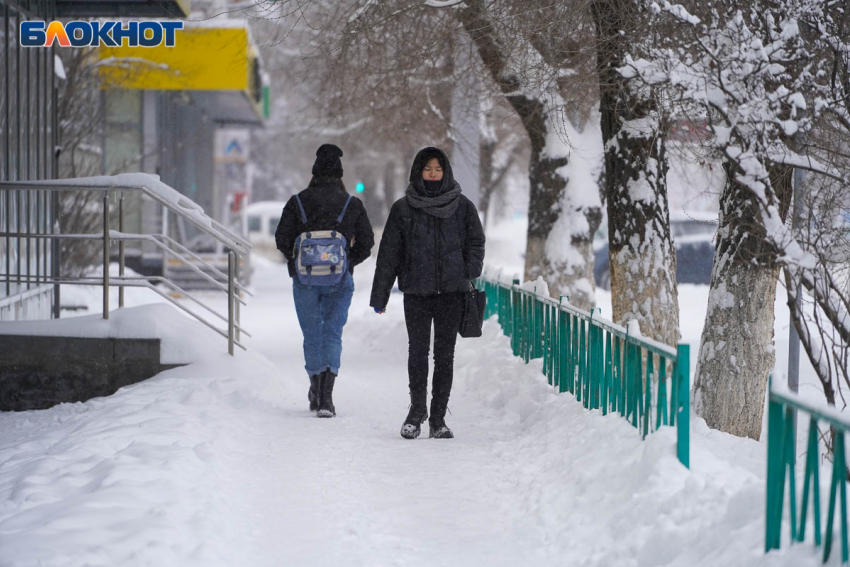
(131, 479)
(622, 501)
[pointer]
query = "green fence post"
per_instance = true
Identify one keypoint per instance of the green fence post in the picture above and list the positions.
(838, 485)
(514, 318)
(789, 460)
(553, 341)
(627, 380)
(574, 321)
(774, 492)
(591, 363)
(661, 405)
(545, 337)
(812, 479)
(619, 367)
(606, 391)
(600, 366)
(637, 376)
(647, 402)
(559, 361)
(582, 363)
(536, 352)
(541, 337)
(683, 367)
(526, 322)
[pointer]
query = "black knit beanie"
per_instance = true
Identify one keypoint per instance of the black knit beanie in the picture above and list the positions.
(328, 163)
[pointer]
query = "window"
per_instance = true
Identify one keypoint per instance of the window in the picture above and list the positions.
(272, 225)
(254, 224)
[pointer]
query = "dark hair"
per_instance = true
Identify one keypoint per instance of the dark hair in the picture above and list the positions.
(323, 180)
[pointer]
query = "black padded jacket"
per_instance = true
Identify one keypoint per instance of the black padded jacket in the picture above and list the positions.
(428, 255)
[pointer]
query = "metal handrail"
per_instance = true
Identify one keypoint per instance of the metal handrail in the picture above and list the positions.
(115, 235)
(214, 228)
(93, 280)
(197, 258)
(176, 203)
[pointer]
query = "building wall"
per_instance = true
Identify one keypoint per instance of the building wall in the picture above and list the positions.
(185, 132)
(28, 94)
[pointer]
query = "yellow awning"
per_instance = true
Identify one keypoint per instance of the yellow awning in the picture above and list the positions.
(205, 59)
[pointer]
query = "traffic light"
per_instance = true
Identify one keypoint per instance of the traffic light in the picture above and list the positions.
(359, 187)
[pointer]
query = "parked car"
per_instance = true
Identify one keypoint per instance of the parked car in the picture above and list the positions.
(693, 235)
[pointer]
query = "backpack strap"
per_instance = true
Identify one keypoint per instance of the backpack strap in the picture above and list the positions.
(345, 208)
(301, 208)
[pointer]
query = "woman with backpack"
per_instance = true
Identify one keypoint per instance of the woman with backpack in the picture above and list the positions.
(433, 242)
(323, 233)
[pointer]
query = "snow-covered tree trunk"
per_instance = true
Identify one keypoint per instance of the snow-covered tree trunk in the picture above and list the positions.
(564, 212)
(736, 351)
(641, 251)
(562, 216)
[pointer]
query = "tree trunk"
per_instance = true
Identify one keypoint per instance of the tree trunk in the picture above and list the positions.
(563, 258)
(389, 192)
(561, 221)
(641, 250)
(736, 352)
(488, 147)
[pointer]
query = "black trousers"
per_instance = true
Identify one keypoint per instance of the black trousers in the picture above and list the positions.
(445, 311)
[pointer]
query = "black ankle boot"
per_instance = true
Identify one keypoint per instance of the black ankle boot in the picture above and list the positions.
(415, 417)
(438, 428)
(326, 390)
(313, 393)
(437, 423)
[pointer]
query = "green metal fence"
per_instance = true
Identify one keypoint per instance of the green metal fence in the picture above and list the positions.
(597, 361)
(783, 407)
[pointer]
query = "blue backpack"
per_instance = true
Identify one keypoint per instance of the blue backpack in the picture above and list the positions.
(321, 256)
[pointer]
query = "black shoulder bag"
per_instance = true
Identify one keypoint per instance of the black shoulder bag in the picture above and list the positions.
(472, 321)
(474, 304)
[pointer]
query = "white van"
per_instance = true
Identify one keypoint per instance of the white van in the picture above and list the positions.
(262, 219)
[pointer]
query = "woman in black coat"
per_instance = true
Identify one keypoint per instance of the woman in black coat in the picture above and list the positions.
(433, 243)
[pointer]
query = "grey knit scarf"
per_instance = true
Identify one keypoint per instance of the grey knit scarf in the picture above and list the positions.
(441, 206)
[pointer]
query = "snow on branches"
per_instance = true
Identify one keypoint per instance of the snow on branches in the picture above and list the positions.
(770, 78)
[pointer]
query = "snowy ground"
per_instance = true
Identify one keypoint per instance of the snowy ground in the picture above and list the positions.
(221, 463)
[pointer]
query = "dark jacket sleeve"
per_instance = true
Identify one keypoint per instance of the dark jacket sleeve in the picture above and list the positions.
(390, 258)
(473, 249)
(364, 237)
(287, 230)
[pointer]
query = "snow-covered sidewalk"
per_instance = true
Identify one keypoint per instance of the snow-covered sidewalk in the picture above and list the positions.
(221, 463)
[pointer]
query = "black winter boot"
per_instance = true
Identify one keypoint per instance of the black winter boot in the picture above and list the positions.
(439, 429)
(313, 393)
(326, 390)
(437, 423)
(415, 417)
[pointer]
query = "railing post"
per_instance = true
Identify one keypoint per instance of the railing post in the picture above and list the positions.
(683, 419)
(54, 255)
(106, 254)
(773, 492)
(237, 306)
(121, 250)
(231, 272)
